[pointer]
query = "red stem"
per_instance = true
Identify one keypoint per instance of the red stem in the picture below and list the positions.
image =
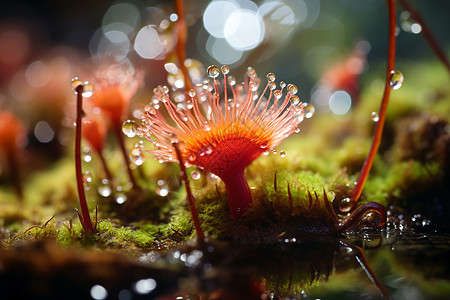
(118, 132)
(360, 211)
(190, 197)
(434, 45)
(86, 218)
(181, 42)
(239, 195)
(356, 193)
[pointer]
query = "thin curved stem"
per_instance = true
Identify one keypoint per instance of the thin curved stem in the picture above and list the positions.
(434, 45)
(360, 211)
(356, 193)
(85, 218)
(190, 197)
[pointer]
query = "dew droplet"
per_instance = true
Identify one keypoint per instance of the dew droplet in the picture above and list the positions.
(396, 80)
(88, 89)
(76, 82)
(299, 115)
(271, 77)
(225, 69)
(129, 128)
(192, 157)
(212, 177)
(309, 110)
(282, 84)
(136, 156)
(195, 175)
(345, 205)
(206, 127)
(374, 116)
(292, 89)
(272, 86)
(191, 93)
(120, 198)
(87, 157)
(294, 100)
(87, 177)
(208, 149)
(250, 72)
(282, 153)
(231, 80)
(297, 129)
(165, 89)
(213, 71)
(277, 94)
(162, 191)
(104, 189)
(264, 145)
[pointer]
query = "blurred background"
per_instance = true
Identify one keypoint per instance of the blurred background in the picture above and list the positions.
(44, 44)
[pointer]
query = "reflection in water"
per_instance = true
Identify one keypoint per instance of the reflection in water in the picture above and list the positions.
(410, 266)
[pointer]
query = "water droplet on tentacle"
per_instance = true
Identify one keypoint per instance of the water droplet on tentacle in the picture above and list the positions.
(294, 100)
(309, 110)
(250, 72)
(231, 80)
(225, 69)
(213, 71)
(292, 89)
(271, 77)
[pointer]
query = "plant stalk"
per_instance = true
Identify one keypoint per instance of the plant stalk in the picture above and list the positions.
(432, 42)
(190, 197)
(85, 217)
(356, 193)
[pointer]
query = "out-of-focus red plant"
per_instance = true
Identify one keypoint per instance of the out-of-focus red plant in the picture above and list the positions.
(12, 139)
(114, 86)
(95, 130)
(344, 75)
